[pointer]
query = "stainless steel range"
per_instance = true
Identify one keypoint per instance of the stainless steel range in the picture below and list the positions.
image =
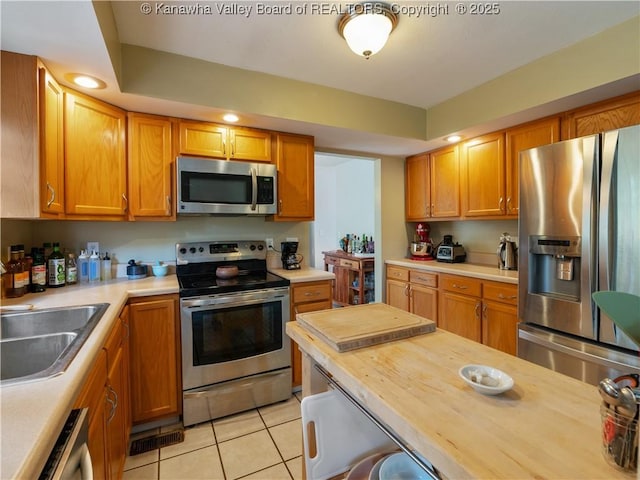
(235, 353)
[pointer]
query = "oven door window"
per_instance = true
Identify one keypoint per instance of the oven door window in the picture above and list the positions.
(216, 188)
(236, 332)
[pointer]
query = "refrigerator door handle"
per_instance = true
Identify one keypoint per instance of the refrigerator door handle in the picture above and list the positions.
(606, 240)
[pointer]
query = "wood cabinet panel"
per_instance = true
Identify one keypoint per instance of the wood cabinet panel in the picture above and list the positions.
(294, 159)
(412, 291)
(523, 137)
(445, 182)
(155, 358)
(483, 176)
(397, 273)
(460, 314)
(51, 113)
(202, 139)
(96, 169)
(423, 301)
(417, 193)
(610, 114)
(306, 297)
(398, 294)
(150, 166)
(249, 144)
(500, 292)
(423, 278)
(463, 285)
(500, 326)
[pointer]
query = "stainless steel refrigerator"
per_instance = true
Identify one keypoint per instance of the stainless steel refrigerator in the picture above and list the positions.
(579, 232)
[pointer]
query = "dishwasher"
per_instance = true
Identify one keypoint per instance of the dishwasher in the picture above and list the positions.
(338, 433)
(70, 458)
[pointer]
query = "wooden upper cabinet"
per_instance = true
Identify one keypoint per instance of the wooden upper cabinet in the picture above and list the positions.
(203, 139)
(150, 167)
(417, 194)
(611, 114)
(523, 137)
(294, 159)
(483, 176)
(96, 163)
(444, 174)
(432, 185)
(219, 141)
(51, 144)
(250, 144)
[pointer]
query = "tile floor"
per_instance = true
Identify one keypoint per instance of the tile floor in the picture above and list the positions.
(261, 444)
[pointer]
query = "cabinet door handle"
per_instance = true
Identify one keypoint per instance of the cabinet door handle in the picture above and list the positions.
(311, 294)
(168, 204)
(126, 335)
(126, 202)
(500, 207)
(507, 297)
(433, 207)
(233, 148)
(279, 207)
(508, 204)
(114, 403)
(224, 147)
(53, 194)
(407, 289)
(484, 311)
(461, 287)
(477, 310)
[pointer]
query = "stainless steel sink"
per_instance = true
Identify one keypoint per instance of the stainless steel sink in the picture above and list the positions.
(39, 344)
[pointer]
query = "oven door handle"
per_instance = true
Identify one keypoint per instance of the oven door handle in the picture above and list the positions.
(226, 301)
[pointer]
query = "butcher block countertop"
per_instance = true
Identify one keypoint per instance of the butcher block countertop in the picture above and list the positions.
(546, 427)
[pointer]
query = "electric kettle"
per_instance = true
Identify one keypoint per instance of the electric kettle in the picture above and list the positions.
(507, 253)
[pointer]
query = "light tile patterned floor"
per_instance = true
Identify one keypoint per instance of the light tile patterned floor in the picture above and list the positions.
(261, 444)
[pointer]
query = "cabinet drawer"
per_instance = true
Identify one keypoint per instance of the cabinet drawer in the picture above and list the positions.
(463, 285)
(311, 293)
(423, 278)
(331, 260)
(397, 273)
(349, 264)
(501, 292)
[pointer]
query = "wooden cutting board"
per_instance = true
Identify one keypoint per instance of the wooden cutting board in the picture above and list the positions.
(358, 326)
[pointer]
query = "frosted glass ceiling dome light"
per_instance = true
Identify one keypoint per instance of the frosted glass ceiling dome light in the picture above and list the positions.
(366, 27)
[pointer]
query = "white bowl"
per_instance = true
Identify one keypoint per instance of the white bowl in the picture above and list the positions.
(486, 380)
(400, 466)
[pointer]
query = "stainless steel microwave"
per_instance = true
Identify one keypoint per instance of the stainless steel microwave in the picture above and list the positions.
(225, 187)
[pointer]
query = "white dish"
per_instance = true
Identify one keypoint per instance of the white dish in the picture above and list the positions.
(374, 474)
(400, 466)
(486, 380)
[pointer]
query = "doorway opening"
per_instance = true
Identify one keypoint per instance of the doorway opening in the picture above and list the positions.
(347, 201)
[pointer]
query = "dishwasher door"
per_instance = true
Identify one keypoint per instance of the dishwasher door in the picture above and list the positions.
(70, 458)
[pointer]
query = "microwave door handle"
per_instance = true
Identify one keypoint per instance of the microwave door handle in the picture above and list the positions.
(254, 189)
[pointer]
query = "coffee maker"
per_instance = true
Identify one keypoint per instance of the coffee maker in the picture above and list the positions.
(290, 258)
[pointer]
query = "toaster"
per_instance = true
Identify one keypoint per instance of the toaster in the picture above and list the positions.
(451, 253)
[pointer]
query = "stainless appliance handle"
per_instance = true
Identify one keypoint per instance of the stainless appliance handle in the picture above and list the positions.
(226, 300)
(605, 261)
(254, 188)
(392, 435)
(231, 388)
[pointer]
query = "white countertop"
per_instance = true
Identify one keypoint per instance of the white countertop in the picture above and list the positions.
(32, 414)
(483, 272)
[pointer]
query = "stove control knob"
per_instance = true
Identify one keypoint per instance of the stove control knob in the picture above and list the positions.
(252, 247)
(260, 247)
(201, 249)
(183, 250)
(192, 250)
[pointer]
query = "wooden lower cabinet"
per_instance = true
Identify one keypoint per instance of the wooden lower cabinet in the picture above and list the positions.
(106, 395)
(481, 310)
(156, 390)
(306, 297)
(414, 291)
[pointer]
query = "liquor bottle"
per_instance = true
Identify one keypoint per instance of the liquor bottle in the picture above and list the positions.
(26, 268)
(38, 271)
(14, 268)
(72, 269)
(56, 268)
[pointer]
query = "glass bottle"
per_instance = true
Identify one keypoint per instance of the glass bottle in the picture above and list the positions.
(26, 268)
(14, 268)
(56, 268)
(72, 269)
(38, 271)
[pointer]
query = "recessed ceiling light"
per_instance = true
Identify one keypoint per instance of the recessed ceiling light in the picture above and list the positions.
(85, 81)
(230, 117)
(453, 138)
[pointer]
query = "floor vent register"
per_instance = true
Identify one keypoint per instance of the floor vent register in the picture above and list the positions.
(154, 442)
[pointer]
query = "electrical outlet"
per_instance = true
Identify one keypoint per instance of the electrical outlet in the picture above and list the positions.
(269, 242)
(292, 239)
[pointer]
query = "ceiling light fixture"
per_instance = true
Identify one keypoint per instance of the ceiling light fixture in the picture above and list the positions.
(230, 117)
(86, 81)
(366, 27)
(453, 138)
